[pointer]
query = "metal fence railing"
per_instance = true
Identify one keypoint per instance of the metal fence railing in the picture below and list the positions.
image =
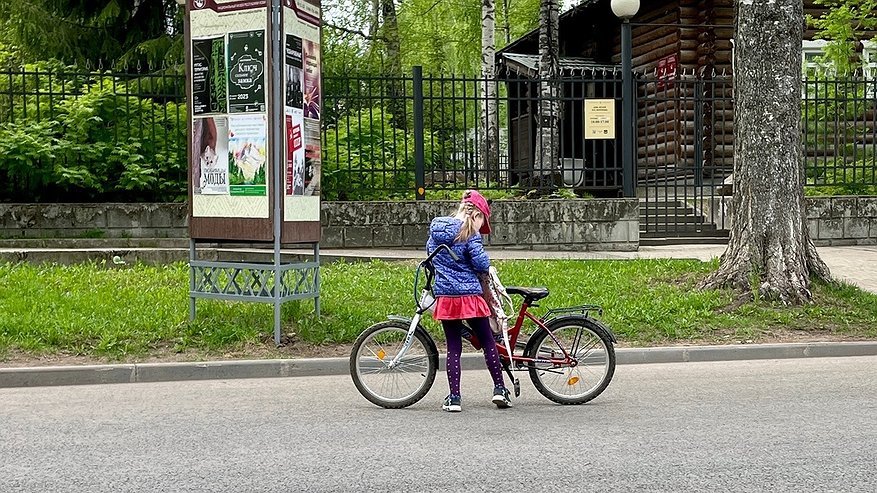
(397, 135)
(839, 126)
(411, 135)
(69, 134)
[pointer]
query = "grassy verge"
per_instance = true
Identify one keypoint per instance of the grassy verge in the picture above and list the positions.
(107, 313)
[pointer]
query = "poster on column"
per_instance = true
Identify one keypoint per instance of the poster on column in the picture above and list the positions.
(208, 76)
(313, 156)
(248, 155)
(303, 101)
(293, 100)
(210, 155)
(229, 162)
(312, 79)
(246, 71)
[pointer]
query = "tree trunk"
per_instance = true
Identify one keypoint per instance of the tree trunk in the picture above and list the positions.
(489, 145)
(393, 66)
(769, 236)
(548, 120)
(374, 18)
(506, 25)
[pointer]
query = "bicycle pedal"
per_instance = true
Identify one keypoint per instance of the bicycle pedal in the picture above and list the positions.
(517, 385)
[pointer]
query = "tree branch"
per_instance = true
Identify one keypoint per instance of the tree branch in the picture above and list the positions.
(351, 31)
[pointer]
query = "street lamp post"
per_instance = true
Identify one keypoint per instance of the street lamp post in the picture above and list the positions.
(624, 10)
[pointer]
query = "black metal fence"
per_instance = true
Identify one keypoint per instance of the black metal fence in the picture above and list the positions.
(685, 139)
(74, 135)
(684, 135)
(395, 136)
(118, 136)
(840, 132)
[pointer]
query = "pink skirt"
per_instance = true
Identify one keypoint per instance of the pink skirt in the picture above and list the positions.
(460, 307)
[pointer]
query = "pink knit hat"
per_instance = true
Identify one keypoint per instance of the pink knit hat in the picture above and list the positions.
(480, 203)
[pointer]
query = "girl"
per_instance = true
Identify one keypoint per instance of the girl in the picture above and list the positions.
(458, 291)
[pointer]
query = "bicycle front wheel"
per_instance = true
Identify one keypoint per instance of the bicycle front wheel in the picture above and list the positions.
(403, 384)
(591, 348)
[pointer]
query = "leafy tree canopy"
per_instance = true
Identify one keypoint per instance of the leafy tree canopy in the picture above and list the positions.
(443, 36)
(842, 24)
(114, 32)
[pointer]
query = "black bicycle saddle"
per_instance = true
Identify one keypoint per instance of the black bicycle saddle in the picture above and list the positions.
(530, 293)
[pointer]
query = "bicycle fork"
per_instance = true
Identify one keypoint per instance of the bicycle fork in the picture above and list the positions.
(409, 339)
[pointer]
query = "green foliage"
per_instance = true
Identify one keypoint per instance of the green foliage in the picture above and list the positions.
(842, 25)
(77, 137)
(445, 36)
(441, 36)
(363, 155)
(118, 32)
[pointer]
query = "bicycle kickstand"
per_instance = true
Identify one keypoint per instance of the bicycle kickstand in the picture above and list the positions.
(515, 382)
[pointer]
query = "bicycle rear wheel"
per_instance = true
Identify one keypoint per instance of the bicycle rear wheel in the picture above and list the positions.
(402, 385)
(588, 344)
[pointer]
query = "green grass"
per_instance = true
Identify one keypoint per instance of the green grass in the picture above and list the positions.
(102, 312)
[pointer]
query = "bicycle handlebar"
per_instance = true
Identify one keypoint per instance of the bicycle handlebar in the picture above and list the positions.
(435, 252)
(430, 272)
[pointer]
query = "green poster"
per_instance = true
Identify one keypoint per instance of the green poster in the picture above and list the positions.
(246, 72)
(248, 155)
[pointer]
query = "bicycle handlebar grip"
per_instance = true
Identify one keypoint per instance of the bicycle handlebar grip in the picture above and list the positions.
(446, 247)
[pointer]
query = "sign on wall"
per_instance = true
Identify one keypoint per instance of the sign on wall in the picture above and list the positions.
(599, 119)
(666, 71)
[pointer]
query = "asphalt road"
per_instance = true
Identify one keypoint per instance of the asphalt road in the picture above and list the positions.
(775, 425)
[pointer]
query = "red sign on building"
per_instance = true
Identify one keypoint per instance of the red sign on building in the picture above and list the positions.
(666, 71)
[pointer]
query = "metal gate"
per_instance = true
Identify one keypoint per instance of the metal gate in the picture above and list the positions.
(684, 153)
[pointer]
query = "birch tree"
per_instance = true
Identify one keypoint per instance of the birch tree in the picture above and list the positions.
(548, 119)
(489, 144)
(769, 238)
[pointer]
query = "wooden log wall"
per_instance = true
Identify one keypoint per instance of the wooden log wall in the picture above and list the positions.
(666, 118)
(700, 34)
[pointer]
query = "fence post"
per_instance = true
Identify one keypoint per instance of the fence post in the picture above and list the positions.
(628, 95)
(419, 174)
(698, 132)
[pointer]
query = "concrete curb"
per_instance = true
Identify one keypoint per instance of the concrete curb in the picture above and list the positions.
(235, 369)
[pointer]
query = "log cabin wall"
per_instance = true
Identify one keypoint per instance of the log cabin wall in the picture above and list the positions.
(686, 34)
(656, 37)
(698, 33)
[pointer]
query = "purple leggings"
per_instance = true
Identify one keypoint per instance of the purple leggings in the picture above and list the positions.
(453, 334)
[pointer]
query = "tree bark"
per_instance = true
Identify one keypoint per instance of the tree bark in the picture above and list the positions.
(769, 238)
(548, 121)
(393, 66)
(489, 148)
(506, 25)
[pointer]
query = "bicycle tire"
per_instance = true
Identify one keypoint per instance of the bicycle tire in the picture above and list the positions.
(544, 346)
(420, 363)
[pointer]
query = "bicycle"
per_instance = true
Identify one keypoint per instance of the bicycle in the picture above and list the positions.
(394, 363)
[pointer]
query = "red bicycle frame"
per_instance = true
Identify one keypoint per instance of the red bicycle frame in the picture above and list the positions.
(515, 331)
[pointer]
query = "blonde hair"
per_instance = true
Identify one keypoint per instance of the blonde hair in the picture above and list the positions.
(469, 213)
